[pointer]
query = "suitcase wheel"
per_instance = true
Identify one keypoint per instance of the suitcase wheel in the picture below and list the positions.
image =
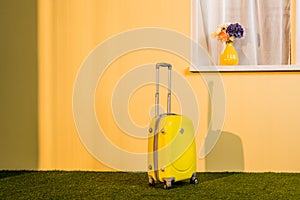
(194, 180)
(168, 183)
(151, 181)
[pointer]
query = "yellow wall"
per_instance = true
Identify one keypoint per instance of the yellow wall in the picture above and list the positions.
(261, 126)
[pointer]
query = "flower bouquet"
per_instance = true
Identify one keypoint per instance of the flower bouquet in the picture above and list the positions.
(229, 32)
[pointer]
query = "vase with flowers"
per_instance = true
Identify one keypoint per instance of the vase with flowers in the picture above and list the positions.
(228, 33)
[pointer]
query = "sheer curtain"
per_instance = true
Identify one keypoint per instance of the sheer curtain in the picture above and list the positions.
(267, 24)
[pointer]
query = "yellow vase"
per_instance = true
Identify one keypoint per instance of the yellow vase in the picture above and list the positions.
(229, 55)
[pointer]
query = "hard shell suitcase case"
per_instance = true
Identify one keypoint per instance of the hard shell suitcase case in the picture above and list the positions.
(171, 143)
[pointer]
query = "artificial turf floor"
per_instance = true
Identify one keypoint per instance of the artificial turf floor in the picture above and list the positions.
(121, 185)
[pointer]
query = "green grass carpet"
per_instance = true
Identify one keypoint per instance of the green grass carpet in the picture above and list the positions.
(121, 185)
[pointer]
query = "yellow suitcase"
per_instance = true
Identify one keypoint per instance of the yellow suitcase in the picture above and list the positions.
(171, 143)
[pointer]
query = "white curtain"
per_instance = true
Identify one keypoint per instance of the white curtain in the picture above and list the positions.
(267, 25)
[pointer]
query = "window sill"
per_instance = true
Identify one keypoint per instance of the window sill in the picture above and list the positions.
(247, 68)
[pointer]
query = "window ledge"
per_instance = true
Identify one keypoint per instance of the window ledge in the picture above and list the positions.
(246, 68)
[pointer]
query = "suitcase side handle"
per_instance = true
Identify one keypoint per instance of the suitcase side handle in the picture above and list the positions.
(158, 65)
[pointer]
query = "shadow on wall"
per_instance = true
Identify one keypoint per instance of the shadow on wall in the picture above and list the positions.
(18, 85)
(226, 155)
(222, 151)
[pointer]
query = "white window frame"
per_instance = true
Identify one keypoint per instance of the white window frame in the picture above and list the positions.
(195, 60)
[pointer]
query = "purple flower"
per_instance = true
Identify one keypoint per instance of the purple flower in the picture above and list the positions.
(235, 30)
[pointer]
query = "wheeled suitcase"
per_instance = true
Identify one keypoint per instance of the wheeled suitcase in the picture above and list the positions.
(171, 143)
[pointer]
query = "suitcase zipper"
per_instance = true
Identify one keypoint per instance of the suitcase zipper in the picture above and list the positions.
(155, 148)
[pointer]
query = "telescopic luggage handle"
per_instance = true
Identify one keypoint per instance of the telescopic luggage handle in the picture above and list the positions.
(158, 65)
